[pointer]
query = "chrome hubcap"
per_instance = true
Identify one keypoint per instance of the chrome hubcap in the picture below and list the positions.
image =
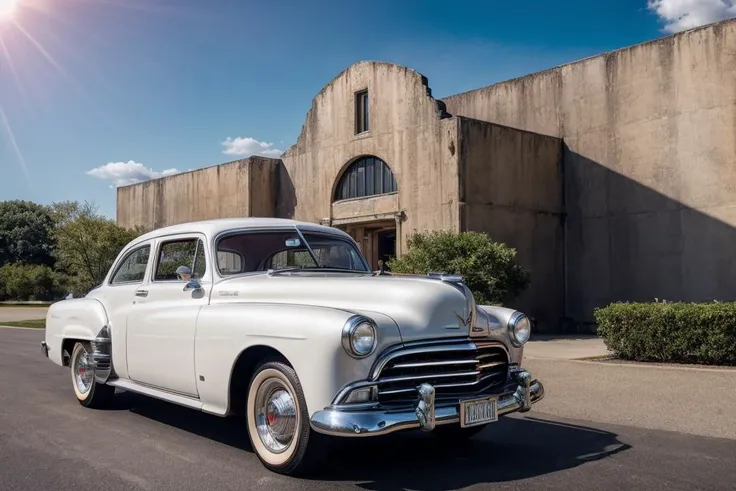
(83, 373)
(275, 415)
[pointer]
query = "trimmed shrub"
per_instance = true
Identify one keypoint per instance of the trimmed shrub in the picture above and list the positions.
(488, 268)
(697, 333)
(24, 282)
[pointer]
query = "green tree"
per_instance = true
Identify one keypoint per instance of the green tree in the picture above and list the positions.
(22, 282)
(87, 243)
(488, 268)
(25, 233)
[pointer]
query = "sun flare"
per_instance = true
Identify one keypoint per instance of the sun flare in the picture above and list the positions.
(7, 8)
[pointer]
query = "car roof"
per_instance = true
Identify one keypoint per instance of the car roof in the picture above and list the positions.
(211, 228)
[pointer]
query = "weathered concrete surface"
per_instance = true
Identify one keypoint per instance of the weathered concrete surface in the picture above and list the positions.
(565, 347)
(242, 188)
(645, 396)
(647, 184)
(13, 314)
(408, 130)
(512, 190)
(350, 210)
(144, 444)
(650, 164)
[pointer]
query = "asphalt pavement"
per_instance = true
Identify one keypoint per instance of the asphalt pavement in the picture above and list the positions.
(49, 441)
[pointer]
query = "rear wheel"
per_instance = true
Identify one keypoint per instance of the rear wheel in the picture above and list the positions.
(89, 393)
(278, 421)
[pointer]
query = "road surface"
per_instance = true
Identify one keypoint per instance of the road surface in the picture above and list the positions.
(49, 441)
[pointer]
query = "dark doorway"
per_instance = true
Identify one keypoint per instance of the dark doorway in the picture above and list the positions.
(386, 245)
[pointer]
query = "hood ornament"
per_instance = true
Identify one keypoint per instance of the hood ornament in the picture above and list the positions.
(463, 322)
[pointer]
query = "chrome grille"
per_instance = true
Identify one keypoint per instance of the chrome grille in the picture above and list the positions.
(455, 370)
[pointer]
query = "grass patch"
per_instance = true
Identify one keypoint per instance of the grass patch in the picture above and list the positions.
(24, 304)
(34, 323)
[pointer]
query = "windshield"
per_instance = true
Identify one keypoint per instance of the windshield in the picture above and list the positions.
(249, 251)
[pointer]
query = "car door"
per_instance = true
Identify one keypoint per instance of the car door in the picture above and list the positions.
(162, 325)
(118, 297)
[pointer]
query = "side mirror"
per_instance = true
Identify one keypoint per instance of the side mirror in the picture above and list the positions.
(192, 285)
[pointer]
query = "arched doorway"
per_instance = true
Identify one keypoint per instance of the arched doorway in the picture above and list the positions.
(365, 204)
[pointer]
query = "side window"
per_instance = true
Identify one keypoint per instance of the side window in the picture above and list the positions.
(181, 260)
(132, 268)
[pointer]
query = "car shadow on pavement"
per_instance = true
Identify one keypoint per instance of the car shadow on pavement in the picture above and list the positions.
(517, 447)
(514, 448)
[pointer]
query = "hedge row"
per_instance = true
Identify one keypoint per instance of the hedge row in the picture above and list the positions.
(680, 332)
(30, 282)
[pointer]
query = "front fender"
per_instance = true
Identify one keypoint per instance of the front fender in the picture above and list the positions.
(308, 336)
(75, 318)
(496, 320)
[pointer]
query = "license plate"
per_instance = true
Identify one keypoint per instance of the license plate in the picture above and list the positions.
(478, 412)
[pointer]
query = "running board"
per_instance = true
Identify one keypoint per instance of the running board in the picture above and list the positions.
(181, 400)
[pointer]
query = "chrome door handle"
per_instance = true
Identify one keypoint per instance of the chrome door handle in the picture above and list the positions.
(141, 293)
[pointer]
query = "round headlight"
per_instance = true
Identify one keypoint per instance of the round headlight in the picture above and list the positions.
(520, 329)
(359, 336)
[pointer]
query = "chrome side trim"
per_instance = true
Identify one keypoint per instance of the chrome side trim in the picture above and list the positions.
(181, 400)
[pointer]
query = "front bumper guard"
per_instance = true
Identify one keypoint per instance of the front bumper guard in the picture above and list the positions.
(425, 415)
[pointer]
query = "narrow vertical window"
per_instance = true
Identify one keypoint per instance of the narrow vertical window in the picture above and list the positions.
(362, 112)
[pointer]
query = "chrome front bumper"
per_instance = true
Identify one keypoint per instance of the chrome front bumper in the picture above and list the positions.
(425, 415)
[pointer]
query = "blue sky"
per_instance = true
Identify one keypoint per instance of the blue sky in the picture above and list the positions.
(136, 88)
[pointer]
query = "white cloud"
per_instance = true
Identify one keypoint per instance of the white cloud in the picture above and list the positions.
(248, 146)
(124, 173)
(680, 15)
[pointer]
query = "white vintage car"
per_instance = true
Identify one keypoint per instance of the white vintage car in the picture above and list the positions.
(284, 323)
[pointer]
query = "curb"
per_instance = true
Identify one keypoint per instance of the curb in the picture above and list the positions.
(595, 360)
(25, 328)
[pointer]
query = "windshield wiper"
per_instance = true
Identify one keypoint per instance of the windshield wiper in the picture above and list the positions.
(309, 247)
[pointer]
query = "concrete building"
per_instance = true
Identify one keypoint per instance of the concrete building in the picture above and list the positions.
(612, 176)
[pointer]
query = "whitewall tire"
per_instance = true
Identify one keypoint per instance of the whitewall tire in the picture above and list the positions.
(89, 393)
(278, 421)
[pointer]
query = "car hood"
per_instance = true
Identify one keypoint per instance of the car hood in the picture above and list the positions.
(421, 306)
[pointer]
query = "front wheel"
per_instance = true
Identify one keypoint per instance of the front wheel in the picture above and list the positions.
(278, 421)
(89, 393)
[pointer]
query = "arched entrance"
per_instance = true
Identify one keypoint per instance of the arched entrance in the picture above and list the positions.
(365, 205)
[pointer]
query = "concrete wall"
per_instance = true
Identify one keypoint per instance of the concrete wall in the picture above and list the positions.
(241, 188)
(408, 131)
(649, 164)
(512, 190)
